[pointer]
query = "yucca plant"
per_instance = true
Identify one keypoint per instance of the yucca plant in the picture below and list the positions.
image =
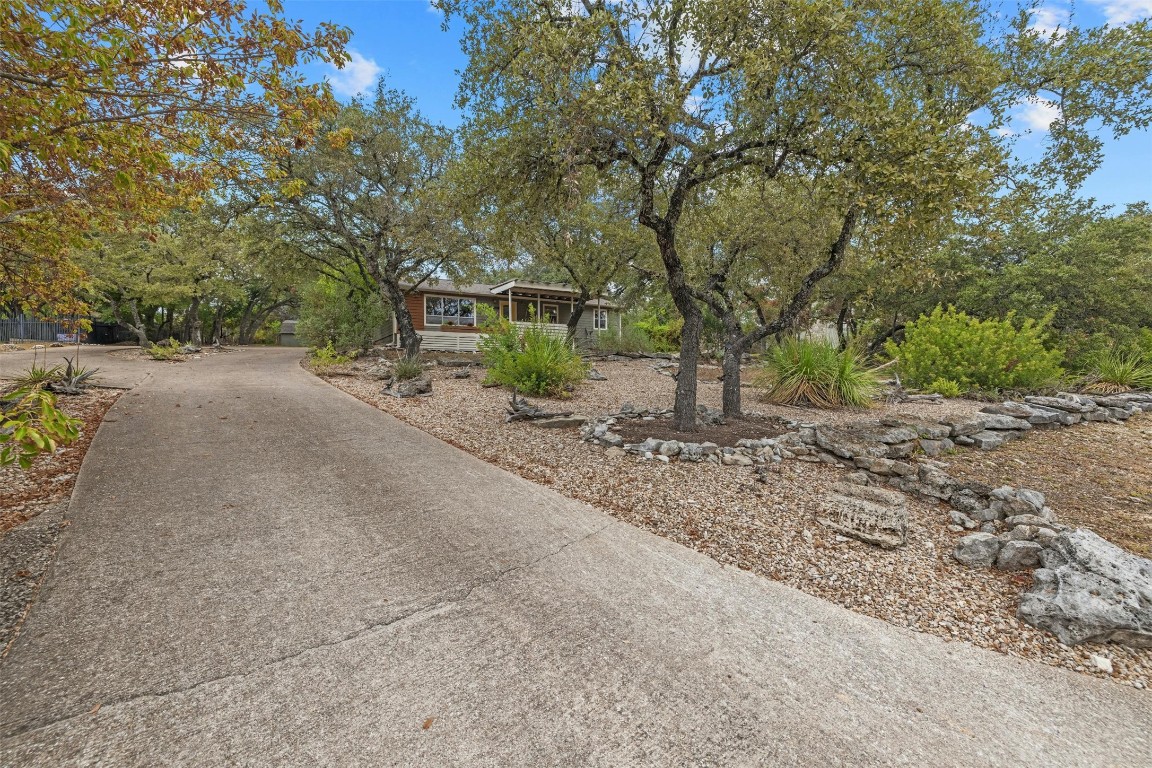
(1116, 371)
(407, 368)
(816, 373)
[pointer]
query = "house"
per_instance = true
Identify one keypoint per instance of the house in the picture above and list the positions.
(445, 313)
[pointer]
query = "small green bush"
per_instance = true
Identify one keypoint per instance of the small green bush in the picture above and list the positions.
(326, 356)
(945, 387)
(630, 340)
(164, 350)
(979, 355)
(407, 368)
(816, 373)
(534, 361)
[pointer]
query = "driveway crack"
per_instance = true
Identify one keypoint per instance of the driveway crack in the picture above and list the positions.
(423, 610)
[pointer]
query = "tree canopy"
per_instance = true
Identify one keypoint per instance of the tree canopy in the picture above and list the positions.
(894, 113)
(115, 111)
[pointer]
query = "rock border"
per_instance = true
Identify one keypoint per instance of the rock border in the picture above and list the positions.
(1085, 589)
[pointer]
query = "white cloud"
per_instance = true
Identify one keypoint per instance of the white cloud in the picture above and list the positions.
(1048, 20)
(1038, 114)
(1118, 12)
(357, 76)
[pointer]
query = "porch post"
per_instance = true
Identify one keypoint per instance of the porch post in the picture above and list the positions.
(510, 313)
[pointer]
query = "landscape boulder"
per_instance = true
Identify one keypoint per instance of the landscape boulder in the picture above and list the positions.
(1018, 555)
(409, 387)
(978, 550)
(1091, 591)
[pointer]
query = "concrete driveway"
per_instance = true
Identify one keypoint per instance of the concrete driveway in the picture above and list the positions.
(261, 570)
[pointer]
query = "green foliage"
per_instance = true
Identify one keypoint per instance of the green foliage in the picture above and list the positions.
(1119, 371)
(663, 335)
(36, 375)
(326, 357)
(532, 361)
(331, 312)
(816, 373)
(31, 424)
(407, 368)
(979, 355)
(629, 340)
(945, 387)
(164, 350)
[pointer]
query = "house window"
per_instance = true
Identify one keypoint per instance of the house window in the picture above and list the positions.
(549, 313)
(439, 310)
(600, 319)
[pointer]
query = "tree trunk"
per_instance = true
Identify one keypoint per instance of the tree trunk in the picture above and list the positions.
(735, 343)
(684, 409)
(577, 313)
(392, 292)
(136, 326)
(218, 325)
(192, 324)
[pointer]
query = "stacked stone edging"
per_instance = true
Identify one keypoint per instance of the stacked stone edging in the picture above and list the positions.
(1085, 588)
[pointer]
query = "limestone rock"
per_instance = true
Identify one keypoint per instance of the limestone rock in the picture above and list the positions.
(1001, 422)
(988, 440)
(1018, 555)
(847, 444)
(978, 550)
(1091, 591)
(936, 447)
(933, 431)
(560, 422)
(1062, 404)
(735, 460)
(410, 387)
(1009, 408)
(965, 427)
(879, 524)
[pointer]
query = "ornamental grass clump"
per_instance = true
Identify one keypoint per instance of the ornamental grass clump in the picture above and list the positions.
(1118, 371)
(979, 355)
(533, 361)
(816, 373)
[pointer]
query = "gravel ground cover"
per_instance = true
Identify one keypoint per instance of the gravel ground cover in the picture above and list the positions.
(768, 528)
(32, 512)
(1096, 476)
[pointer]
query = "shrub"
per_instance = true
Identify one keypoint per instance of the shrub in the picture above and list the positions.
(407, 368)
(31, 424)
(945, 387)
(533, 361)
(630, 340)
(979, 355)
(816, 373)
(164, 350)
(1119, 371)
(333, 313)
(663, 335)
(326, 356)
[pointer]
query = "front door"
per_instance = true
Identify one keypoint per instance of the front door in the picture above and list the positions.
(504, 311)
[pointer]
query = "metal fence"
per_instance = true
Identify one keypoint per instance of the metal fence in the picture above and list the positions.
(23, 328)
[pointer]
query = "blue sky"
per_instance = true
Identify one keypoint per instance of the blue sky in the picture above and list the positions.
(403, 41)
